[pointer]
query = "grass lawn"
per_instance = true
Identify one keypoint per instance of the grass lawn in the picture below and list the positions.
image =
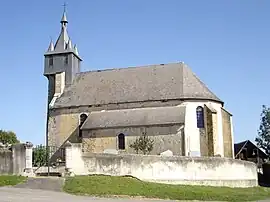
(7, 180)
(98, 185)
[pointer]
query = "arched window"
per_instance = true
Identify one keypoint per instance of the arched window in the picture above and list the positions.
(121, 141)
(83, 118)
(200, 117)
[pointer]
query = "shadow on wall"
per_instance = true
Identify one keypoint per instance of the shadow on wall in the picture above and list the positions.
(264, 177)
(262, 181)
(60, 151)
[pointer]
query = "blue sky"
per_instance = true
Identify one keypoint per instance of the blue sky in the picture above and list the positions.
(225, 42)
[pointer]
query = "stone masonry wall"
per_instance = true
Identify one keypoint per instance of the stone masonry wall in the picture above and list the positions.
(6, 164)
(13, 161)
(227, 135)
(62, 128)
(165, 138)
(215, 134)
(63, 123)
(209, 131)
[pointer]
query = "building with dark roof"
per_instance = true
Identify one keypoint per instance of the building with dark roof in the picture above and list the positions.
(109, 109)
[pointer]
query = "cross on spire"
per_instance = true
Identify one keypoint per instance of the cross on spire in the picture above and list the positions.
(64, 17)
(65, 5)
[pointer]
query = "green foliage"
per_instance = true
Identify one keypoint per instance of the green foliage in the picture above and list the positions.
(98, 185)
(135, 145)
(263, 138)
(8, 137)
(40, 155)
(144, 144)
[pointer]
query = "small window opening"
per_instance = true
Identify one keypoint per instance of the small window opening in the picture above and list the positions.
(83, 118)
(121, 141)
(200, 117)
(50, 61)
(66, 60)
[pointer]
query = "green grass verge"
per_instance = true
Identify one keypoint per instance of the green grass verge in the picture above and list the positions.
(98, 185)
(10, 180)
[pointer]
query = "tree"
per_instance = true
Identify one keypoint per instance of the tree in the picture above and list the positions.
(143, 144)
(135, 145)
(8, 137)
(263, 138)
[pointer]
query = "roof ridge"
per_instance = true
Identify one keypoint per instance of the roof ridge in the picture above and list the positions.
(129, 67)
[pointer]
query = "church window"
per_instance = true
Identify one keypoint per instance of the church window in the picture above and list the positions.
(200, 117)
(83, 118)
(66, 60)
(121, 141)
(50, 61)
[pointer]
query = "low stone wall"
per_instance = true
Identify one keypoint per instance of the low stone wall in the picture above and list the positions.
(13, 160)
(6, 164)
(214, 171)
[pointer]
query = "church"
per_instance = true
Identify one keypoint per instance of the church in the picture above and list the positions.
(109, 109)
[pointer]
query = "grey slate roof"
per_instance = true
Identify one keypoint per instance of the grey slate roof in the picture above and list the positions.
(133, 84)
(135, 117)
(63, 43)
(62, 40)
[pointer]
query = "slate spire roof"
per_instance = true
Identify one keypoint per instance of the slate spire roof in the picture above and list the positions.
(51, 47)
(63, 39)
(63, 43)
(134, 84)
(64, 18)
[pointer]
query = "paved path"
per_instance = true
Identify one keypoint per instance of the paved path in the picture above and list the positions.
(44, 183)
(9, 194)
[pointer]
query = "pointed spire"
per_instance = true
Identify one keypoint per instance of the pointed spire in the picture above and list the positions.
(51, 46)
(63, 39)
(76, 50)
(69, 45)
(64, 17)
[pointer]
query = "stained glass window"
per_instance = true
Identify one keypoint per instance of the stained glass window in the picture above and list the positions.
(200, 117)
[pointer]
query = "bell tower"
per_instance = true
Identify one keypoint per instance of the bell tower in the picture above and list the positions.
(62, 62)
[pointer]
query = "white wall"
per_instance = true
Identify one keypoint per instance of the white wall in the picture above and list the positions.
(232, 137)
(192, 134)
(214, 171)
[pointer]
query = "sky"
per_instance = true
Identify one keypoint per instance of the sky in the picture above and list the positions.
(226, 44)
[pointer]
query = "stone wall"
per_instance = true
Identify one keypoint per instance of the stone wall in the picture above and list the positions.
(62, 128)
(227, 135)
(192, 133)
(213, 171)
(63, 122)
(13, 161)
(165, 138)
(6, 164)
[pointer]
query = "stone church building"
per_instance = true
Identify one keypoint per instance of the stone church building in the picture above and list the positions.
(109, 109)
